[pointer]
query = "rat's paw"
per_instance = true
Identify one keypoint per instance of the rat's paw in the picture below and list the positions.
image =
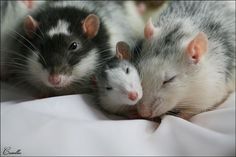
(160, 107)
(43, 95)
(186, 116)
(133, 114)
(144, 110)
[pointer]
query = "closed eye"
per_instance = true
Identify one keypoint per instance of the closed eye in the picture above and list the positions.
(169, 80)
(108, 88)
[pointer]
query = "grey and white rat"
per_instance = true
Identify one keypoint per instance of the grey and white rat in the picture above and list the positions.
(118, 84)
(188, 59)
(63, 43)
(12, 13)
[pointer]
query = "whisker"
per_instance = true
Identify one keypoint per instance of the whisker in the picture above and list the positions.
(21, 56)
(37, 54)
(25, 39)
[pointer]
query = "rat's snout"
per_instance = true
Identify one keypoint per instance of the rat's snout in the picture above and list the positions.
(133, 96)
(54, 79)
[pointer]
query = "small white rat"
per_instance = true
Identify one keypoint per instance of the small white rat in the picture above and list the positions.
(118, 84)
(188, 59)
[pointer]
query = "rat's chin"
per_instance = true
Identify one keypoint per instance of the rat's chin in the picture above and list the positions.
(59, 86)
(130, 102)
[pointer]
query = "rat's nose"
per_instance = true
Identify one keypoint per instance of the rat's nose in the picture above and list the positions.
(54, 79)
(133, 96)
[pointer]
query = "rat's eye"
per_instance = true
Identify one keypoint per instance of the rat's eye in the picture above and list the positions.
(108, 88)
(169, 80)
(73, 46)
(127, 70)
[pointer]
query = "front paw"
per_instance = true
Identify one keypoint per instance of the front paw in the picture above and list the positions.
(148, 110)
(186, 116)
(133, 113)
(144, 110)
(160, 107)
(43, 95)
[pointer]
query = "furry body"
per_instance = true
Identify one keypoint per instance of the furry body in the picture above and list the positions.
(170, 79)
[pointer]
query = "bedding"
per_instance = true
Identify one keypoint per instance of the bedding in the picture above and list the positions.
(74, 125)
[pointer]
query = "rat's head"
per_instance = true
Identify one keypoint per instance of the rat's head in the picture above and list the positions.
(169, 66)
(119, 83)
(63, 47)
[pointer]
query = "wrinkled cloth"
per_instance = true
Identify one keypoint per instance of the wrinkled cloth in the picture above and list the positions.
(74, 125)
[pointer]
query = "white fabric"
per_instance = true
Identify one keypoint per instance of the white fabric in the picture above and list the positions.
(73, 125)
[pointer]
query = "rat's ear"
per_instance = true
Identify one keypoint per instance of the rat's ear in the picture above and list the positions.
(149, 29)
(94, 81)
(197, 47)
(30, 25)
(141, 7)
(91, 25)
(28, 3)
(122, 50)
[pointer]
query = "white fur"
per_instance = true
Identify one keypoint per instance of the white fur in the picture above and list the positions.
(41, 75)
(117, 30)
(196, 88)
(36, 70)
(231, 4)
(121, 84)
(83, 68)
(86, 65)
(61, 28)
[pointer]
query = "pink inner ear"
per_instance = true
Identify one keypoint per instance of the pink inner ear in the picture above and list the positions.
(30, 25)
(198, 47)
(28, 3)
(91, 25)
(119, 55)
(141, 7)
(122, 50)
(149, 29)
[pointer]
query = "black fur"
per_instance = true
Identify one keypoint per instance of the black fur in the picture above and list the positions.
(57, 47)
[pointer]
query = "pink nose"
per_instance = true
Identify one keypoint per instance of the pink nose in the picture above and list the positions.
(132, 95)
(54, 79)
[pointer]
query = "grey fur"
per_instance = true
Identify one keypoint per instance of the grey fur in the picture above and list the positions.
(179, 23)
(213, 18)
(116, 79)
(111, 64)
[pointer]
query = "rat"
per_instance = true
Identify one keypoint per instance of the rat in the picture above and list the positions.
(62, 44)
(187, 62)
(118, 84)
(12, 13)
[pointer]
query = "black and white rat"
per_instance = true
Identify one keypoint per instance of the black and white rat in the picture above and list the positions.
(187, 62)
(65, 42)
(118, 84)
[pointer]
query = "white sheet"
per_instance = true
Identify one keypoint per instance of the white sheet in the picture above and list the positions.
(73, 125)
